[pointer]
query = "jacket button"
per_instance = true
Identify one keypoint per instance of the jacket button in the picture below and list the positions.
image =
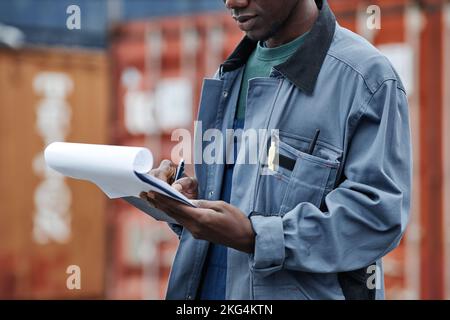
(189, 297)
(225, 94)
(211, 193)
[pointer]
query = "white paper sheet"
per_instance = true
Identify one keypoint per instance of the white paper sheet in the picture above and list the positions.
(114, 169)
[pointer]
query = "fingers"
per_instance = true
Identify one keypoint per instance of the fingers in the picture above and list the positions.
(165, 172)
(173, 207)
(188, 186)
(219, 206)
(186, 183)
(144, 196)
(177, 186)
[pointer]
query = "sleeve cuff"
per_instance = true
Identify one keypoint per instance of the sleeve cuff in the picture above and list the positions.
(269, 243)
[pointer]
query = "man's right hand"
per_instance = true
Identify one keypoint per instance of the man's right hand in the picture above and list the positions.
(166, 172)
(187, 186)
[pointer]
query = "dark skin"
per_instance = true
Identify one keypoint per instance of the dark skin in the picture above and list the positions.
(276, 22)
(215, 221)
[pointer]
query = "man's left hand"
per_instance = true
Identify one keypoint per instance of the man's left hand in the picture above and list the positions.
(214, 221)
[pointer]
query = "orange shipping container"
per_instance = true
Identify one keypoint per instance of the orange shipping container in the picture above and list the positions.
(446, 125)
(49, 223)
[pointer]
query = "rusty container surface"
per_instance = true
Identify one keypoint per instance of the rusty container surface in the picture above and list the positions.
(49, 223)
(446, 83)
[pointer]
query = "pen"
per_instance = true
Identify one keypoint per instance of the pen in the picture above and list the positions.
(180, 170)
(313, 143)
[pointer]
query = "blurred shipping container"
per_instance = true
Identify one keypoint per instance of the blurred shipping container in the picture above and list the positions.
(446, 37)
(43, 22)
(47, 222)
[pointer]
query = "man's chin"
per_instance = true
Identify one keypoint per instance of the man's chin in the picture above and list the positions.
(256, 36)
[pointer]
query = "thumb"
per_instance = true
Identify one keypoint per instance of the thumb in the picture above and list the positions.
(186, 183)
(218, 206)
(204, 204)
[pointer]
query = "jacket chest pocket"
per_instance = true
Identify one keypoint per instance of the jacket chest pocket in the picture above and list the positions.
(295, 176)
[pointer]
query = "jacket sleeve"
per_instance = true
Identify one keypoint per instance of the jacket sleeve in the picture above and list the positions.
(365, 216)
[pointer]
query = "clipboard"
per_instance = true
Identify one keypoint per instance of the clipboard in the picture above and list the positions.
(119, 171)
(164, 188)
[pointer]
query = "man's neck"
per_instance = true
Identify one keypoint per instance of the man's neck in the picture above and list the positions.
(299, 22)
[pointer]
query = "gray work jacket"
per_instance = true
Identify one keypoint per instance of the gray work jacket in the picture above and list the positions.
(337, 210)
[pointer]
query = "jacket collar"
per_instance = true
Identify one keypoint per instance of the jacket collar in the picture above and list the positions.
(303, 67)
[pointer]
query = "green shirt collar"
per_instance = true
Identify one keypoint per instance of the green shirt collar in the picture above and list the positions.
(286, 50)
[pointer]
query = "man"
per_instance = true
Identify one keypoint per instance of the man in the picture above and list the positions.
(315, 221)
